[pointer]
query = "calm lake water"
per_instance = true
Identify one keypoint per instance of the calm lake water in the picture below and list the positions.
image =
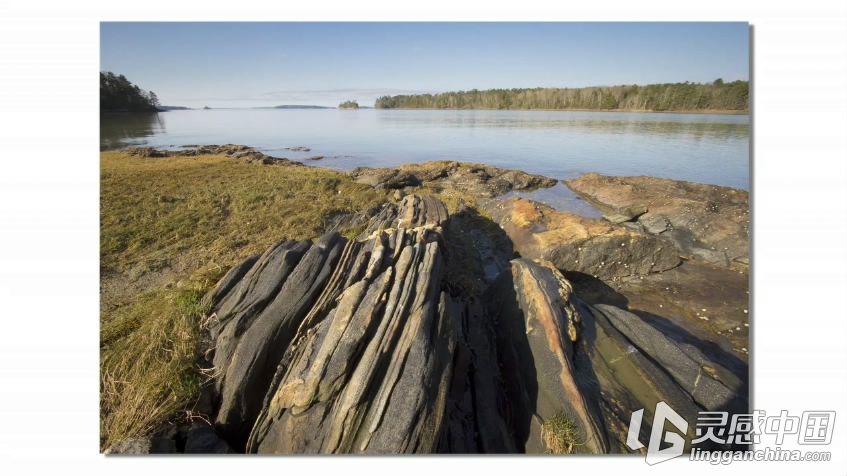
(712, 149)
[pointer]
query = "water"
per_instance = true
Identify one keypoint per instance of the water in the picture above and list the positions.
(711, 149)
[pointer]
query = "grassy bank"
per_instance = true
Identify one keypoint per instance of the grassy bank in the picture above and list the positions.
(170, 227)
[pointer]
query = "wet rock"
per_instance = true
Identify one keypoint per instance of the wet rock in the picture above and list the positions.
(709, 222)
(575, 243)
(710, 385)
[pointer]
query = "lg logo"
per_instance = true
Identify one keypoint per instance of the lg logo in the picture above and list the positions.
(654, 454)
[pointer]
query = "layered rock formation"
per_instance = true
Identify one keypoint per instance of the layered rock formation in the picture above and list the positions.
(410, 340)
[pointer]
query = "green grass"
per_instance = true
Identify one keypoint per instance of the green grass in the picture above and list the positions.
(560, 434)
(170, 227)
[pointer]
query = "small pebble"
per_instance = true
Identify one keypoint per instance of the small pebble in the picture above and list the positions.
(738, 328)
(744, 349)
(703, 310)
(660, 305)
(746, 325)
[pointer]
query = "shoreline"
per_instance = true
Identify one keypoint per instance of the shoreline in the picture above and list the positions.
(717, 112)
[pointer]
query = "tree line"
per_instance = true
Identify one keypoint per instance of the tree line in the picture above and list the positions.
(119, 94)
(715, 96)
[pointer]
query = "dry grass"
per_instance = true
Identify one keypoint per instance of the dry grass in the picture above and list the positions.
(560, 434)
(187, 219)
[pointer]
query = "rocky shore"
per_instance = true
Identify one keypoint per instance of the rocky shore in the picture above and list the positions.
(502, 327)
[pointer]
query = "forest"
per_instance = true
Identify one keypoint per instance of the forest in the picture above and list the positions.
(690, 97)
(117, 93)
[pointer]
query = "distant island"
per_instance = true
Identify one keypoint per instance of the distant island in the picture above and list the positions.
(718, 96)
(349, 105)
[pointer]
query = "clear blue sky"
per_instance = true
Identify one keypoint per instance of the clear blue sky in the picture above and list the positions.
(266, 64)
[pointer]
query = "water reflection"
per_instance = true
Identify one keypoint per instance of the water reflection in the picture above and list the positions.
(121, 129)
(696, 125)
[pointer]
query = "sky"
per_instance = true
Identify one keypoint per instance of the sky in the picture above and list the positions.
(267, 64)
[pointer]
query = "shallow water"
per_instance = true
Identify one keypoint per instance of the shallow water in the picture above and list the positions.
(702, 148)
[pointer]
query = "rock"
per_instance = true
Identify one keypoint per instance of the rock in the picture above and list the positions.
(625, 214)
(241, 152)
(472, 179)
(707, 221)
(398, 195)
(422, 336)
(136, 446)
(617, 218)
(549, 322)
(575, 243)
(257, 351)
(711, 386)
(203, 439)
(654, 224)
(384, 178)
(674, 299)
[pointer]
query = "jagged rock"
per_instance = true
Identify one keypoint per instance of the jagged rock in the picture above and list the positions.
(258, 350)
(370, 346)
(581, 244)
(708, 221)
(545, 326)
(473, 179)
